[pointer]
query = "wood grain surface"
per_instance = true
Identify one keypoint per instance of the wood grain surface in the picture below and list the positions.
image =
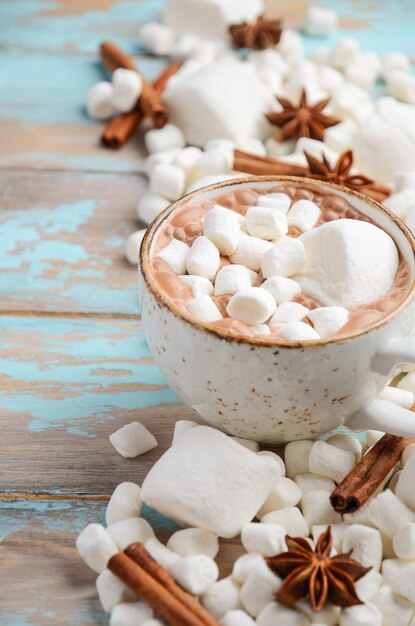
(74, 364)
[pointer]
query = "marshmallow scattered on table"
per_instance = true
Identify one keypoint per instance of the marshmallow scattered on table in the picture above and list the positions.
(404, 541)
(203, 258)
(395, 610)
(265, 539)
(132, 530)
(150, 205)
(367, 586)
(320, 21)
(127, 88)
(133, 439)
(265, 222)
(222, 227)
(317, 509)
(162, 139)
(187, 160)
(161, 553)
(221, 597)
(310, 482)
(194, 541)
(175, 256)
(251, 306)
(285, 258)
(156, 37)
(402, 86)
(244, 565)
(247, 443)
(330, 461)
(259, 588)
(167, 157)
(388, 513)
(132, 614)
(401, 202)
(195, 573)
(198, 285)
(289, 518)
(215, 161)
(365, 544)
(362, 615)
(348, 443)
(285, 493)
(276, 613)
(112, 591)
(95, 547)
(296, 457)
(100, 101)
(405, 486)
(343, 52)
(204, 309)
(132, 246)
(401, 397)
(125, 502)
(168, 181)
(395, 61)
(341, 136)
(236, 617)
(328, 320)
(288, 312)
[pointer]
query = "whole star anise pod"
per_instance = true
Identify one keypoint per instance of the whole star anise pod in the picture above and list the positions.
(258, 35)
(339, 173)
(304, 120)
(315, 574)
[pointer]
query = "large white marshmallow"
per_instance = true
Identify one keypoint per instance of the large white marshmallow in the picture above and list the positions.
(276, 613)
(365, 544)
(132, 614)
(336, 250)
(127, 88)
(161, 553)
(296, 457)
(265, 539)
(231, 279)
(388, 513)
(283, 289)
(304, 214)
(395, 610)
(208, 480)
(204, 309)
(127, 531)
(297, 331)
(175, 255)
(124, 503)
(195, 573)
(289, 518)
(320, 21)
(168, 181)
(112, 591)
(317, 509)
(310, 482)
(259, 588)
(221, 597)
(405, 486)
(100, 101)
(198, 285)
(330, 461)
(251, 306)
(285, 258)
(194, 541)
(328, 320)
(401, 202)
(250, 251)
(266, 223)
(133, 439)
(149, 206)
(162, 139)
(132, 246)
(286, 493)
(156, 37)
(404, 541)
(227, 95)
(361, 615)
(222, 227)
(95, 547)
(203, 258)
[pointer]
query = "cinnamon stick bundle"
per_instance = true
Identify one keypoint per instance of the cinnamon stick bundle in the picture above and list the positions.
(361, 483)
(143, 575)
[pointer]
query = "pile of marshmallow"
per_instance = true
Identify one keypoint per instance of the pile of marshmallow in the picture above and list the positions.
(218, 486)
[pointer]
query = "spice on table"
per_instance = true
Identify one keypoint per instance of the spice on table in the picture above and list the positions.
(259, 35)
(143, 575)
(315, 574)
(361, 483)
(303, 120)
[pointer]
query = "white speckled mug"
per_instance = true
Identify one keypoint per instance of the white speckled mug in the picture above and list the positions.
(274, 393)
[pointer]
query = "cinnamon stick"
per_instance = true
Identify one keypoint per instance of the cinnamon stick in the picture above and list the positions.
(149, 101)
(122, 127)
(139, 555)
(355, 490)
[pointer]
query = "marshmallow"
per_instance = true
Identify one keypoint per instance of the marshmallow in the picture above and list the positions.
(286, 258)
(251, 306)
(401, 202)
(343, 52)
(272, 60)
(367, 586)
(149, 206)
(401, 86)
(244, 565)
(266, 223)
(401, 397)
(341, 136)
(132, 246)
(286, 493)
(133, 439)
(215, 161)
(328, 320)
(131, 614)
(198, 285)
(405, 487)
(247, 443)
(165, 156)
(236, 114)
(395, 610)
(348, 443)
(351, 101)
(204, 309)
(167, 180)
(99, 101)
(250, 251)
(405, 179)
(188, 159)
(150, 622)
(278, 201)
(388, 513)
(310, 482)
(337, 531)
(317, 509)
(237, 618)
(297, 331)
(175, 255)
(290, 518)
(276, 613)
(395, 61)
(278, 149)
(221, 226)
(203, 258)
(221, 597)
(210, 180)
(365, 544)
(317, 149)
(321, 21)
(361, 74)
(253, 145)
(112, 591)
(394, 481)
(331, 461)
(408, 382)
(404, 541)
(161, 553)
(399, 575)
(157, 38)
(334, 251)
(194, 541)
(265, 539)
(259, 588)
(260, 329)
(281, 288)
(296, 457)
(291, 45)
(196, 573)
(407, 453)
(162, 139)
(321, 55)
(276, 458)
(124, 503)
(361, 516)
(185, 46)
(127, 88)
(329, 80)
(127, 531)
(328, 615)
(304, 214)
(208, 480)
(373, 436)
(95, 547)
(363, 615)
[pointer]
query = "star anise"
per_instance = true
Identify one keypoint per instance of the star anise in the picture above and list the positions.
(304, 120)
(258, 35)
(339, 173)
(315, 574)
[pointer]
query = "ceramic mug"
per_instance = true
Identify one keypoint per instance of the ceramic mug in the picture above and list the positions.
(260, 390)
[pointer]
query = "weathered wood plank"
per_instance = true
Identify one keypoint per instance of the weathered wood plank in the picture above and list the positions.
(63, 240)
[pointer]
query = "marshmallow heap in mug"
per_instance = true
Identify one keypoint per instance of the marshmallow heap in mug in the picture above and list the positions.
(293, 264)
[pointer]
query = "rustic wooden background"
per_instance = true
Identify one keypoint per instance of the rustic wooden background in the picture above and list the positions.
(74, 365)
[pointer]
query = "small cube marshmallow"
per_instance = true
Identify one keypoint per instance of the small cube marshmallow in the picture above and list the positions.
(131, 614)
(175, 256)
(127, 531)
(188, 159)
(259, 588)
(367, 586)
(162, 139)
(250, 251)
(328, 320)
(168, 181)
(204, 309)
(237, 617)
(290, 518)
(361, 615)
(194, 541)
(297, 331)
(348, 443)
(401, 86)
(95, 547)
(149, 206)
(310, 482)
(100, 101)
(276, 458)
(276, 613)
(328, 460)
(404, 541)
(124, 503)
(341, 136)
(221, 226)
(401, 397)
(388, 513)
(395, 610)
(216, 161)
(405, 179)
(244, 565)
(278, 201)
(127, 88)
(251, 306)
(161, 553)
(157, 38)
(343, 52)
(132, 246)
(320, 21)
(365, 544)
(165, 156)
(296, 457)
(265, 539)
(195, 573)
(317, 509)
(133, 439)
(266, 223)
(395, 61)
(260, 329)
(203, 258)
(283, 289)
(112, 591)
(198, 285)
(304, 214)
(247, 443)
(221, 597)
(285, 258)
(405, 487)
(286, 493)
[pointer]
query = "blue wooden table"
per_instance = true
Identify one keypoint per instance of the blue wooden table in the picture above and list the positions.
(74, 365)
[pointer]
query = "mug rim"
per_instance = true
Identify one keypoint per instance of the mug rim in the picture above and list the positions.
(163, 299)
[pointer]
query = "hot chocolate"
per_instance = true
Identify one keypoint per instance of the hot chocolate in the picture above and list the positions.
(292, 276)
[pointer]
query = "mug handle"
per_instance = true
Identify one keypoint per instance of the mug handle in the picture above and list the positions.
(382, 414)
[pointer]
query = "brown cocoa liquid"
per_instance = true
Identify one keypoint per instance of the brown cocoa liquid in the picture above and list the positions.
(187, 223)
